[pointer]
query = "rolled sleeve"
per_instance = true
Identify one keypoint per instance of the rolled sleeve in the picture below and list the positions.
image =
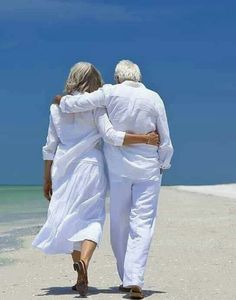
(166, 163)
(47, 155)
(118, 138)
(49, 149)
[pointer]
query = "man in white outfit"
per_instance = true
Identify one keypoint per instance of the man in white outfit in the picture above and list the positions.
(135, 171)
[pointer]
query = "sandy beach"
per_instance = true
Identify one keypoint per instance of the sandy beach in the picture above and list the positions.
(219, 190)
(193, 256)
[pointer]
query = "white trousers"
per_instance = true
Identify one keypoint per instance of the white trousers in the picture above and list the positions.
(133, 208)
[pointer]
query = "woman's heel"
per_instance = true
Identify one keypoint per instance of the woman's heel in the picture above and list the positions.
(82, 282)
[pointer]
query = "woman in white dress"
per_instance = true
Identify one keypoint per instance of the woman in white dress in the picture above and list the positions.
(74, 179)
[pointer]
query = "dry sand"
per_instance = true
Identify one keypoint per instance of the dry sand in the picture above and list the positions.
(193, 256)
(220, 190)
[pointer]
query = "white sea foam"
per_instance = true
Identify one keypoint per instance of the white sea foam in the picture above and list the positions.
(220, 190)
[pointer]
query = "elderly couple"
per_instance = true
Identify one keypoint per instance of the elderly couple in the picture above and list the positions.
(132, 122)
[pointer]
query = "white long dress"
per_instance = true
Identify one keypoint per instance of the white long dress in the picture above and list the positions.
(77, 208)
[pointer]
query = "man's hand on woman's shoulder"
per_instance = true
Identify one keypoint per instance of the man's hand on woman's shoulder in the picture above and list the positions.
(57, 99)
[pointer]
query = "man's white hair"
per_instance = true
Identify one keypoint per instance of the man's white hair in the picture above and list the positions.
(127, 70)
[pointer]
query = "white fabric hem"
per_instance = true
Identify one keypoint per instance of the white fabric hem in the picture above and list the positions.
(134, 282)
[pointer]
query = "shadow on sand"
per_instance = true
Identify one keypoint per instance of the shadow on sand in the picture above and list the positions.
(92, 291)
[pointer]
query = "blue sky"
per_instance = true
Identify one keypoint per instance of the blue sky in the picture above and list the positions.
(185, 49)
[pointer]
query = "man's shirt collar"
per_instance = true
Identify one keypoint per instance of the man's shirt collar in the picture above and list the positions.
(133, 84)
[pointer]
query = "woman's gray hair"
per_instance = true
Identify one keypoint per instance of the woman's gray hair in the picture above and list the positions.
(83, 77)
(127, 70)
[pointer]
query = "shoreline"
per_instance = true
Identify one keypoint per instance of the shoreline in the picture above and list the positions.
(192, 256)
(27, 221)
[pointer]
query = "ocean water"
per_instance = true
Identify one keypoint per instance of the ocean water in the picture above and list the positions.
(23, 210)
(19, 203)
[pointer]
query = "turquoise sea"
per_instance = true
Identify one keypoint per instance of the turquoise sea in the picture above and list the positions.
(23, 210)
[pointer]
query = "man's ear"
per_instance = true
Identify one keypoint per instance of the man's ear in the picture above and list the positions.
(117, 79)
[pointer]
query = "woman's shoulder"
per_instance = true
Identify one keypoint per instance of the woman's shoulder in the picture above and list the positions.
(54, 109)
(55, 113)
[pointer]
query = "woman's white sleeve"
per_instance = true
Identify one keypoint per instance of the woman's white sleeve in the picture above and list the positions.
(52, 142)
(106, 129)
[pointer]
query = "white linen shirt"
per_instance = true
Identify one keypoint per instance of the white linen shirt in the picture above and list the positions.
(78, 133)
(131, 108)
